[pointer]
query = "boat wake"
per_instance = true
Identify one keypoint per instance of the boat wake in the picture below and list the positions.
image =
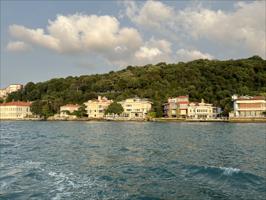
(235, 175)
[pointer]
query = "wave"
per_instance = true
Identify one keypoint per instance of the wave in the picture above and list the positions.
(228, 171)
(221, 173)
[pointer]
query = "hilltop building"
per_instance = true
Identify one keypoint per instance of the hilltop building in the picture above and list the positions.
(95, 108)
(135, 108)
(15, 110)
(248, 107)
(11, 88)
(67, 109)
(176, 107)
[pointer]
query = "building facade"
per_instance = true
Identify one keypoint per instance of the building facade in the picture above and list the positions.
(96, 108)
(201, 110)
(11, 88)
(247, 106)
(176, 107)
(135, 108)
(68, 109)
(15, 110)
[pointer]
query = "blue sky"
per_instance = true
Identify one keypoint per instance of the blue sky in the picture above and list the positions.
(41, 40)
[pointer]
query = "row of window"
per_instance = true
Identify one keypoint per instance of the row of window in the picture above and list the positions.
(4, 109)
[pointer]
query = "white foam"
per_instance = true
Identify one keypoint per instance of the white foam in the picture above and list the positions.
(228, 171)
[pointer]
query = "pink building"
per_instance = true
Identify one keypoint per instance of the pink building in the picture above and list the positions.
(176, 107)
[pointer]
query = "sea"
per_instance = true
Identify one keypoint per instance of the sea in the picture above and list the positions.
(132, 160)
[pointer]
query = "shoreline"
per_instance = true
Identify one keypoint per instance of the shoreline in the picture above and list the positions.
(176, 120)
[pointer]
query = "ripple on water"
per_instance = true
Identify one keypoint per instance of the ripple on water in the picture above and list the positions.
(50, 160)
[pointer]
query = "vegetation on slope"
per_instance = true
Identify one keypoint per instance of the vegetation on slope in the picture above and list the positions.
(215, 81)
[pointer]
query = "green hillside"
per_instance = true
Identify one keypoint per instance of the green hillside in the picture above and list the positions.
(215, 81)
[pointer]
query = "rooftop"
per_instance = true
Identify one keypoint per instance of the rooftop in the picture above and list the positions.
(16, 103)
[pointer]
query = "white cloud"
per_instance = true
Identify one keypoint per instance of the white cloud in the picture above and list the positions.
(17, 46)
(34, 36)
(152, 16)
(147, 53)
(153, 13)
(245, 27)
(99, 35)
(189, 55)
(80, 33)
(154, 51)
(242, 28)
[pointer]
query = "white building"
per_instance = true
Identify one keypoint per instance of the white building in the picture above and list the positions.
(68, 109)
(96, 108)
(201, 110)
(136, 108)
(247, 106)
(15, 110)
(11, 88)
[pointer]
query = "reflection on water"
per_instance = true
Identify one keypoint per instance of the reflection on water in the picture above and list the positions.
(108, 160)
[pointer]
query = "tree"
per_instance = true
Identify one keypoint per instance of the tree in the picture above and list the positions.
(114, 108)
(42, 108)
(212, 80)
(81, 112)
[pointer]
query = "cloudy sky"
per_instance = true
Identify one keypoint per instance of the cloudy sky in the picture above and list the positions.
(47, 39)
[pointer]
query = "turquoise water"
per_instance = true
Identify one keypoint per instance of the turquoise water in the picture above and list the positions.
(144, 161)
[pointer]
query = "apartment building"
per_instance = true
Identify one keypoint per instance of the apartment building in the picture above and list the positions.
(95, 108)
(248, 106)
(176, 107)
(135, 108)
(15, 110)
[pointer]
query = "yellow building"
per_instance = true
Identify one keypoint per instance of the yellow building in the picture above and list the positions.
(136, 108)
(95, 108)
(201, 110)
(15, 110)
(67, 109)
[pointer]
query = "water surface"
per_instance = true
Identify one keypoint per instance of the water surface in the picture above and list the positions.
(130, 160)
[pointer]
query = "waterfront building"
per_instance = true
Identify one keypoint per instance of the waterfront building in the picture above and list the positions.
(176, 107)
(135, 108)
(68, 109)
(248, 106)
(11, 88)
(202, 110)
(15, 110)
(95, 108)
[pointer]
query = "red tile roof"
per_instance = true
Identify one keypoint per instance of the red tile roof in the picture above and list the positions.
(16, 103)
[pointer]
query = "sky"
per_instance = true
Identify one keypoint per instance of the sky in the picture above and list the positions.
(48, 39)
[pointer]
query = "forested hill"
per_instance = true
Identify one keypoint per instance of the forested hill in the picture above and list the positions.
(215, 81)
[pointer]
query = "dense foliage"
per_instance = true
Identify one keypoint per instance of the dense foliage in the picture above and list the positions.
(114, 108)
(81, 112)
(215, 81)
